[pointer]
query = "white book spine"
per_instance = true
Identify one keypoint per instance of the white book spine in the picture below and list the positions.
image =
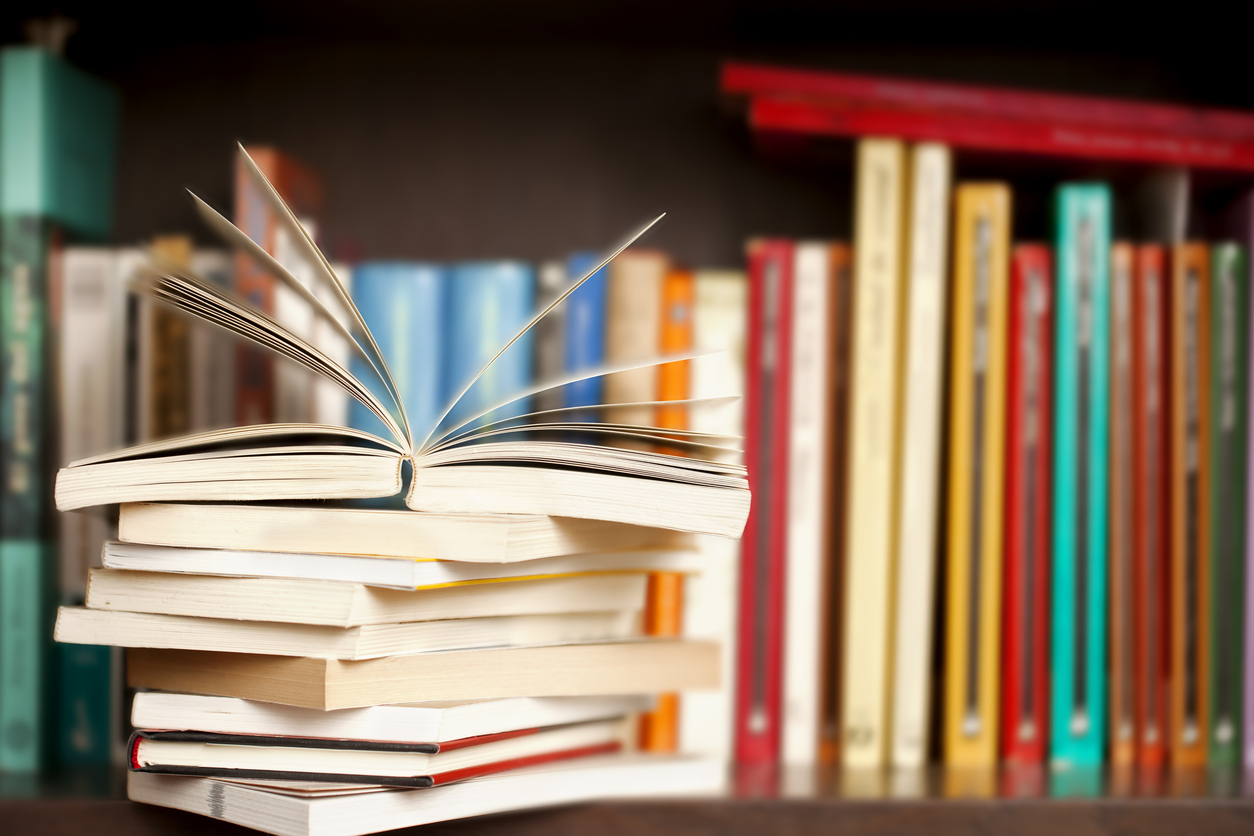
(211, 357)
(920, 448)
(710, 597)
(806, 560)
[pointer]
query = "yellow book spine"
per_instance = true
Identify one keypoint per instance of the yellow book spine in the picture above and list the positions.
(976, 445)
(878, 263)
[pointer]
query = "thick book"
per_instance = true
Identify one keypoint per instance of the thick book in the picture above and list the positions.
(1190, 406)
(1082, 213)
(1151, 393)
(270, 757)
(583, 344)
(872, 473)
(1025, 573)
(406, 574)
(809, 556)
(922, 402)
(977, 420)
(498, 538)
(463, 465)
(416, 723)
(768, 360)
(402, 304)
(1121, 582)
(345, 813)
(632, 667)
(79, 625)
(1229, 347)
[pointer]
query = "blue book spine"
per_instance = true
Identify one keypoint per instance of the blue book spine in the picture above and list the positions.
(90, 687)
(1081, 403)
(403, 306)
(585, 331)
(487, 303)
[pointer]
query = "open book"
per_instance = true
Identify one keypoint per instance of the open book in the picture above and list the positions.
(537, 463)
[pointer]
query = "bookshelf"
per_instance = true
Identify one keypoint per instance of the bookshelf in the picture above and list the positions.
(442, 135)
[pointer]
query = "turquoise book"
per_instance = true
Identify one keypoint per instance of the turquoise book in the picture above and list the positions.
(487, 302)
(1082, 215)
(585, 331)
(403, 305)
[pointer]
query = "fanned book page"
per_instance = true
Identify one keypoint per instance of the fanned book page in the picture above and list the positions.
(554, 462)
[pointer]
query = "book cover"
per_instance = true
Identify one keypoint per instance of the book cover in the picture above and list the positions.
(922, 402)
(485, 305)
(1122, 615)
(874, 413)
(402, 304)
(1025, 582)
(1081, 406)
(1190, 309)
(584, 344)
(664, 601)
(809, 557)
(976, 454)
(1151, 392)
(768, 360)
(1229, 338)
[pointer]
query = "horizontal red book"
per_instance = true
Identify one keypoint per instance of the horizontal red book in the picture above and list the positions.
(1025, 591)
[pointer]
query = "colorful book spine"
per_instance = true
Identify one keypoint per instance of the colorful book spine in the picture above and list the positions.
(1081, 403)
(584, 345)
(809, 547)
(977, 417)
(402, 304)
(922, 402)
(664, 600)
(1229, 339)
(874, 412)
(1151, 390)
(485, 305)
(1025, 582)
(1122, 616)
(1190, 309)
(762, 546)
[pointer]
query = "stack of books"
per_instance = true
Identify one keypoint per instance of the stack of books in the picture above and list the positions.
(357, 666)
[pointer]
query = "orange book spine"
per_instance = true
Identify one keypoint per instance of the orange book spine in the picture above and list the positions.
(664, 603)
(1189, 581)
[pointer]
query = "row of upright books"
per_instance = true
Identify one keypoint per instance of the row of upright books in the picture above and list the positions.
(1000, 486)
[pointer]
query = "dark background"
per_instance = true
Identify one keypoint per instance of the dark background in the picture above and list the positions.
(490, 128)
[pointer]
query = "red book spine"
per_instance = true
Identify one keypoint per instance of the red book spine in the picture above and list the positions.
(1025, 644)
(760, 640)
(1151, 387)
(999, 133)
(752, 80)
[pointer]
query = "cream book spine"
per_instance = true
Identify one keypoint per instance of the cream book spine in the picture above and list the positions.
(807, 549)
(632, 331)
(870, 534)
(922, 399)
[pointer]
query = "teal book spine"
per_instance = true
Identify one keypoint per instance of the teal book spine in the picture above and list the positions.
(88, 711)
(1229, 359)
(1081, 405)
(26, 466)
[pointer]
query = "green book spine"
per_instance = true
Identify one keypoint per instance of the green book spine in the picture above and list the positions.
(1229, 324)
(26, 458)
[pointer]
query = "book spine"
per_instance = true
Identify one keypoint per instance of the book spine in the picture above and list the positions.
(1189, 585)
(807, 561)
(88, 713)
(760, 639)
(874, 415)
(710, 598)
(1025, 637)
(1229, 336)
(584, 345)
(1150, 480)
(1122, 699)
(550, 333)
(169, 406)
(664, 600)
(920, 450)
(209, 353)
(976, 445)
(254, 371)
(1078, 680)
(634, 297)
(28, 435)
